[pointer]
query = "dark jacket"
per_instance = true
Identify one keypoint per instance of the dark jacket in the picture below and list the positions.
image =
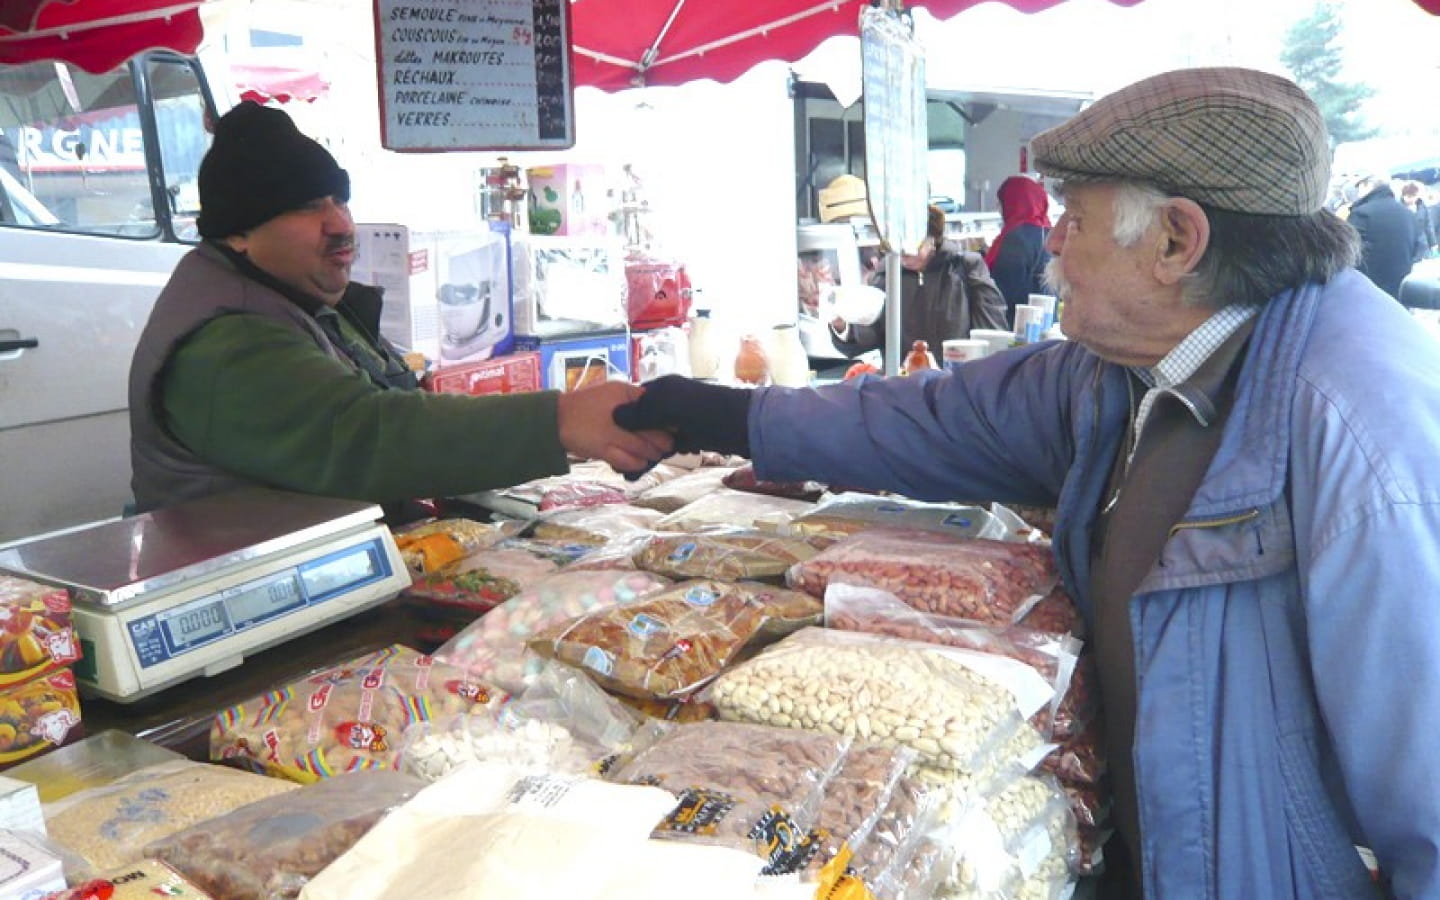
(1019, 267)
(1387, 233)
(952, 295)
(1425, 237)
(234, 383)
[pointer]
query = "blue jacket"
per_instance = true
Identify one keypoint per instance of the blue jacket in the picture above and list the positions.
(1288, 640)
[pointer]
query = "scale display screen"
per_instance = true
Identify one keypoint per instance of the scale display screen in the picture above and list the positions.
(192, 625)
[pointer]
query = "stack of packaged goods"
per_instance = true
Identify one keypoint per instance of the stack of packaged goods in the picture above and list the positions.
(39, 709)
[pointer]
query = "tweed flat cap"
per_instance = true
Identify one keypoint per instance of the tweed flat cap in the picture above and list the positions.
(1232, 138)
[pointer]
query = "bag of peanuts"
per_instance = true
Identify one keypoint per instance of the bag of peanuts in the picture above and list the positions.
(952, 706)
(1055, 613)
(428, 546)
(745, 786)
(107, 826)
(986, 581)
(1022, 841)
(667, 645)
(734, 509)
(479, 581)
(844, 514)
(1053, 657)
(855, 798)
(728, 555)
(492, 648)
(269, 849)
(345, 718)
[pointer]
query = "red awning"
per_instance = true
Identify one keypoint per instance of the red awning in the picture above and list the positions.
(623, 43)
(263, 82)
(96, 35)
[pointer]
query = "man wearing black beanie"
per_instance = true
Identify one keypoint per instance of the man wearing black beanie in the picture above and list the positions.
(262, 362)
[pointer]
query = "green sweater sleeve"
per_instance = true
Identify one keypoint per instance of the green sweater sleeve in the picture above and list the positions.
(261, 400)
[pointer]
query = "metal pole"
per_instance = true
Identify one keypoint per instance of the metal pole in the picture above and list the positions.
(893, 353)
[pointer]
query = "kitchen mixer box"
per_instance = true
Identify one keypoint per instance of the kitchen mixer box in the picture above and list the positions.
(448, 294)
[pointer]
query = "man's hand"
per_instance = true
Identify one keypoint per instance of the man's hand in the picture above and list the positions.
(701, 416)
(588, 428)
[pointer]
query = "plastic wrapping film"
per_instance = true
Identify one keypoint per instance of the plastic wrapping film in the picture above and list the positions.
(987, 581)
(595, 526)
(492, 648)
(344, 718)
(951, 706)
(269, 849)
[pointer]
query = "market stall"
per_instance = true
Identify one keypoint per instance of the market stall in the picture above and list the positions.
(778, 684)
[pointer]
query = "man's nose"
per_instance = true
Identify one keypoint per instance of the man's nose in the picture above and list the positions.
(337, 217)
(1055, 239)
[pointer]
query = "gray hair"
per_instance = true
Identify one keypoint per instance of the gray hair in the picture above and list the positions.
(1251, 257)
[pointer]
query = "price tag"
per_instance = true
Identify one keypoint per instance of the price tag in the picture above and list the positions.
(474, 74)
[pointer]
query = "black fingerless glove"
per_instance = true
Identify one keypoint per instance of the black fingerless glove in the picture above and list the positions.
(700, 416)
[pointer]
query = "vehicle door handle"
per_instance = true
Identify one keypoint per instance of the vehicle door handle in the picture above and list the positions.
(19, 344)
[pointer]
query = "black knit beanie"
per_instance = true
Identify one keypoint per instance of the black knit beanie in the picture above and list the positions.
(260, 166)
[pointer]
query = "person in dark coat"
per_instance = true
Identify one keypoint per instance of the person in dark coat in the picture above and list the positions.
(1425, 238)
(1387, 233)
(945, 291)
(1017, 258)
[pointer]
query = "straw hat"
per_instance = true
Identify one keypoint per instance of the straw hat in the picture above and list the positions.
(842, 197)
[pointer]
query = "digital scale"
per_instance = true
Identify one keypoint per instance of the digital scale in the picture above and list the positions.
(193, 589)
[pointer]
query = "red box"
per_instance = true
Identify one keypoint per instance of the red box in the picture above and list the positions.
(512, 374)
(36, 634)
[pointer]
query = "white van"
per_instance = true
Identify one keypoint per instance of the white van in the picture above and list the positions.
(97, 204)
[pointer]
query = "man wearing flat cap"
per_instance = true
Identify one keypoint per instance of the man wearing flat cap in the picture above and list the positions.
(262, 363)
(1239, 442)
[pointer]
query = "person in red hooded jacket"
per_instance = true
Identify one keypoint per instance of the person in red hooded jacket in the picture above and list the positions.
(1017, 258)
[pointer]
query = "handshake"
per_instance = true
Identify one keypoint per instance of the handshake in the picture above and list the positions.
(697, 415)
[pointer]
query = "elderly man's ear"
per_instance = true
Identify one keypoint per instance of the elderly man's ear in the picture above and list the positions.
(1184, 235)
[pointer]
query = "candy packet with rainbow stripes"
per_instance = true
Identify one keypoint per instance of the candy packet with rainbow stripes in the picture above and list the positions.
(345, 718)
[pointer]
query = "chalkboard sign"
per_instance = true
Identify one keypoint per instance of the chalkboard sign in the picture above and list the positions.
(474, 74)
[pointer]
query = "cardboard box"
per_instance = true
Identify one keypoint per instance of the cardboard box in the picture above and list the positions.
(448, 294)
(20, 806)
(36, 634)
(568, 285)
(511, 374)
(568, 200)
(569, 362)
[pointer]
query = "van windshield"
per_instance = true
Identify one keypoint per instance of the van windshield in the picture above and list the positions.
(76, 156)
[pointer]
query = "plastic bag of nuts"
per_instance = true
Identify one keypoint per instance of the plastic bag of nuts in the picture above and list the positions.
(950, 705)
(594, 526)
(269, 849)
(430, 545)
(844, 514)
(481, 580)
(492, 648)
(107, 826)
(734, 509)
(986, 581)
(729, 555)
(1022, 842)
(857, 796)
(666, 645)
(681, 491)
(746, 786)
(875, 611)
